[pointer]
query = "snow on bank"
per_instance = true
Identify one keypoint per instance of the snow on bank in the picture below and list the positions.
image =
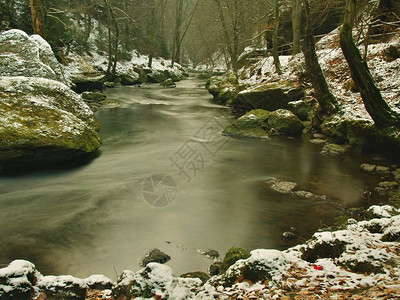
(385, 71)
(359, 261)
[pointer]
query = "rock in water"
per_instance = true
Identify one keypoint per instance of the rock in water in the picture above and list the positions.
(42, 121)
(285, 122)
(155, 255)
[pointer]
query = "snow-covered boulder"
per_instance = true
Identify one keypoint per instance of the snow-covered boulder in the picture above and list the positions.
(42, 120)
(30, 56)
(17, 279)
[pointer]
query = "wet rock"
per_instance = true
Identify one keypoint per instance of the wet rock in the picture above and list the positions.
(53, 126)
(309, 195)
(368, 167)
(334, 149)
(155, 255)
(284, 187)
(271, 96)
(169, 83)
(156, 77)
(318, 136)
(222, 87)
(252, 124)
(385, 187)
(131, 79)
(93, 96)
(142, 74)
(317, 141)
(382, 170)
(88, 82)
(215, 268)
(212, 253)
(232, 256)
(285, 122)
(201, 275)
(288, 235)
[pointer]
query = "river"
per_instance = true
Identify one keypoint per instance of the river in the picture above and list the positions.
(98, 218)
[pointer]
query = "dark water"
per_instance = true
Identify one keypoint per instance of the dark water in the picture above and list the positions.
(94, 219)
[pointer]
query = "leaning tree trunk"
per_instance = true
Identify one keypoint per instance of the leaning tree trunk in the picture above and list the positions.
(38, 11)
(324, 95)
(275, 52)
(374, 103)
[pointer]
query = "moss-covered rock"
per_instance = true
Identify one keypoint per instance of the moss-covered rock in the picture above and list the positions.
(285, 122)
(301, 109)
(252, 124)
(169, 83)
(233, 255)
(223, 88)
(129, 79)
(334, 149)
(142, 74)
(43, 121)
(201, 275)
(156, 77)
(271, 96)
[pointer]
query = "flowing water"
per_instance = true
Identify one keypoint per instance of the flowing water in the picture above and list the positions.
(94, 218)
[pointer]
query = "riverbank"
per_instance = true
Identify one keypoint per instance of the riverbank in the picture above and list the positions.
(359, 261)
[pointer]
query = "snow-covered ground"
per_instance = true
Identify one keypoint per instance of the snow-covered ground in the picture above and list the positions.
(386, 73)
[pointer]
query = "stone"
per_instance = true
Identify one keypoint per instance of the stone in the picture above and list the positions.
(142, 74)
(334, 149)
(62, 287)
(156, 77)
(284, 187)
(271, 96)
(318, 141)
(129, 79)
(29, 56)
(252, 124)
(309, 195)
(155, 255)
(211, 253)
(43, 122)
(285, 122)
(169, 83)
(289, 235)
(215, 268)
(201, 275)
(382, 170)
(232, 256)
(368, 167)
(222, 87)
(301, 109)
(93, 96)
(318, 136)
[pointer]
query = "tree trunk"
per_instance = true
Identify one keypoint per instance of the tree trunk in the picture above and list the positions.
(226, 33)
(324, 95)
(275, 51)
(112, 48)
(374, 103)
(38, 11)
(296, 25)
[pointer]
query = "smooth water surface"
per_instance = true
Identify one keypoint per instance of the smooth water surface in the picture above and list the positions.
(94, 219)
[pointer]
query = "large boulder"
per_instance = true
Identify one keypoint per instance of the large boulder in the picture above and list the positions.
(43, 121)
(271, 96)
(29, 56)
(284, 121)
(156, 77)
(252, 124)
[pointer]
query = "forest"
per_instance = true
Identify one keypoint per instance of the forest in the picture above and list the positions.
(219, 149)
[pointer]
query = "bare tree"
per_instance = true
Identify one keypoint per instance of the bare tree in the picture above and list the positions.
(324, 95)
(374, 103)
(275, 41)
